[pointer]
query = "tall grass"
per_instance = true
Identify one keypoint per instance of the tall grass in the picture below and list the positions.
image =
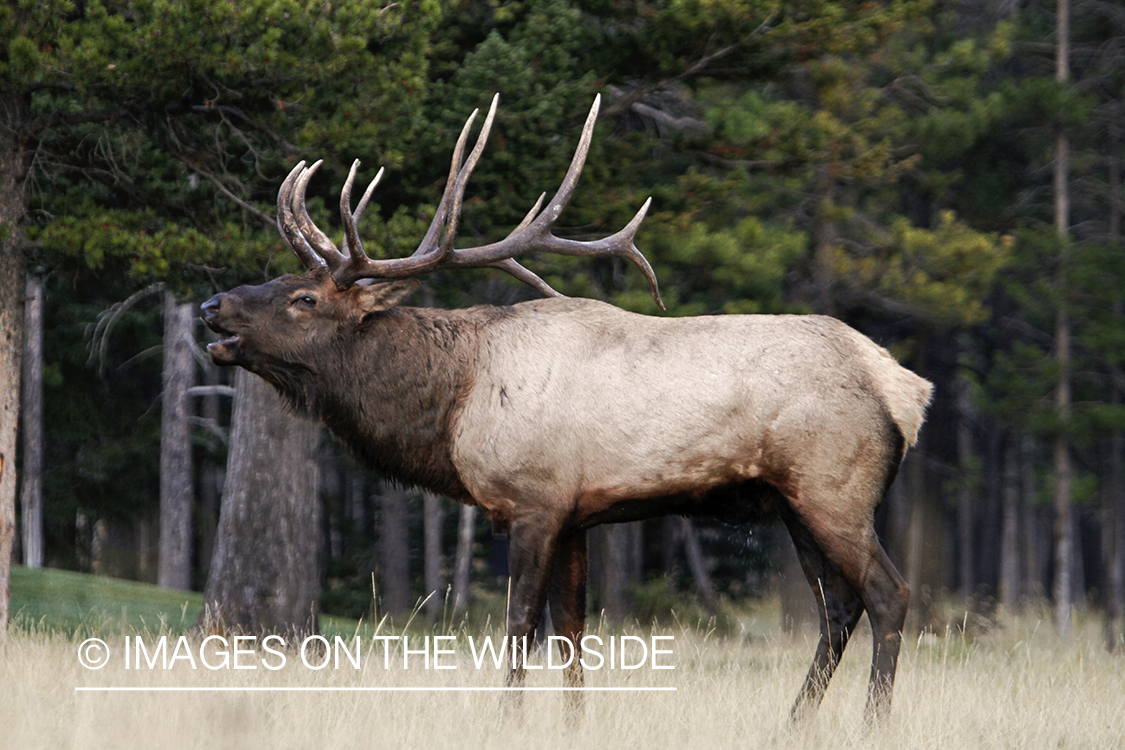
(1017, 686)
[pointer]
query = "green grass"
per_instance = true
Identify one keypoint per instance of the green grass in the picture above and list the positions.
(72, 603)
(69, 602)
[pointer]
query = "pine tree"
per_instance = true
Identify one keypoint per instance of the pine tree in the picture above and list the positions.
(145, 134)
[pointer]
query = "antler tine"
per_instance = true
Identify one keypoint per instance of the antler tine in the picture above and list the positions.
(321, 244)
(534, 234)
(353, 248)
(430, 253)
(367, 195)
(527, 277)
(539, 239)
(566, 189)
(554, 208)
(287, 224)
(430, 240)
(526, 221)
(463, 179)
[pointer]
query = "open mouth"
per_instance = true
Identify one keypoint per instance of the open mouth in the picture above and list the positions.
(226, 333)
(224, 347)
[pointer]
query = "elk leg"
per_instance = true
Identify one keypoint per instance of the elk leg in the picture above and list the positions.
(567, 599)
(886, 597)
(839, 608)
(531, 560)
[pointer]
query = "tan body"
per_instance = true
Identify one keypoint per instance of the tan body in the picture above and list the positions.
(585, 406)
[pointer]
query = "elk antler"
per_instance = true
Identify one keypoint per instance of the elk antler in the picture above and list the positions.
(533, 234)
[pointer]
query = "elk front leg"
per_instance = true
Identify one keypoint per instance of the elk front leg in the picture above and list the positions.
(567, 600)
(531, 561)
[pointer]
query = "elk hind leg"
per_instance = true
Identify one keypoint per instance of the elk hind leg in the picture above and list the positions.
(886, 596)
(839, 609)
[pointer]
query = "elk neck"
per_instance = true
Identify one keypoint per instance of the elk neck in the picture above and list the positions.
(390, 386)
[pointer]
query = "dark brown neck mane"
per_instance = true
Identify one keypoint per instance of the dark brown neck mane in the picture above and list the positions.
(389, 389)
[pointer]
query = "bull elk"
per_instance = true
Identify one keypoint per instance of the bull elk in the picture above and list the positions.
(556, 415)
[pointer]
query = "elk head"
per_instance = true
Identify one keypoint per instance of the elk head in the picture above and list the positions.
(274, 324)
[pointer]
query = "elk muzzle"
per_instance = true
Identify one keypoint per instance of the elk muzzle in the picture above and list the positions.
(228, 350)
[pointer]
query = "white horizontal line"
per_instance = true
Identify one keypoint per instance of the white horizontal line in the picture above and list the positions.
(373, 689)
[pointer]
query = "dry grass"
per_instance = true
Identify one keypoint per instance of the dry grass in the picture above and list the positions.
(1016, 687)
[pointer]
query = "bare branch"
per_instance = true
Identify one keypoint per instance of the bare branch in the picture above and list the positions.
(248, 207)
(700, 66)
(34, 127)
(107, 319)
(210, 390)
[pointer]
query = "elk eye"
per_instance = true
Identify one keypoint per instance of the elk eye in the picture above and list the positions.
(306, 301)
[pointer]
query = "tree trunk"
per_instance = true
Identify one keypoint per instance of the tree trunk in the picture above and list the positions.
(176, 485)
(923, 557)
(990, 516)
(14, 160)
(147, 552)
(668, 540)
(355, 495)
(31, 492)
(1079, 544)
(463, 559)
(896, 512)
(1034, 551)
(1115, 491)
(1064, 524)
(264, 575)
(616, 570)
(210, 473)
(394, 549)
(1115, 549)
(433, 516)
(697, 566)
(1010, 592)
(966, 505)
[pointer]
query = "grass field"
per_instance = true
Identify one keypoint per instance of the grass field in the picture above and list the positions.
(1016, 686)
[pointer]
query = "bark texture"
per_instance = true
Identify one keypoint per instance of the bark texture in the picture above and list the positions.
(264, 575)
(176, 485)
(14, 159)
(1064, 523)
(394, 549)
(31, 485)
(693, 551)
(463, 557)
(433, 517)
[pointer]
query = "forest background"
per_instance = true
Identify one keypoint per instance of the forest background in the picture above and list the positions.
(944, 176)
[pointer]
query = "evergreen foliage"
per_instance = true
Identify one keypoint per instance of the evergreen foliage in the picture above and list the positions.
(886, 162)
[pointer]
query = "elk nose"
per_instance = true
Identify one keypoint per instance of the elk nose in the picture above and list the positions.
(209, 309)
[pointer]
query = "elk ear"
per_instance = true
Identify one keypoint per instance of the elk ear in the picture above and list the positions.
(383, 295)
